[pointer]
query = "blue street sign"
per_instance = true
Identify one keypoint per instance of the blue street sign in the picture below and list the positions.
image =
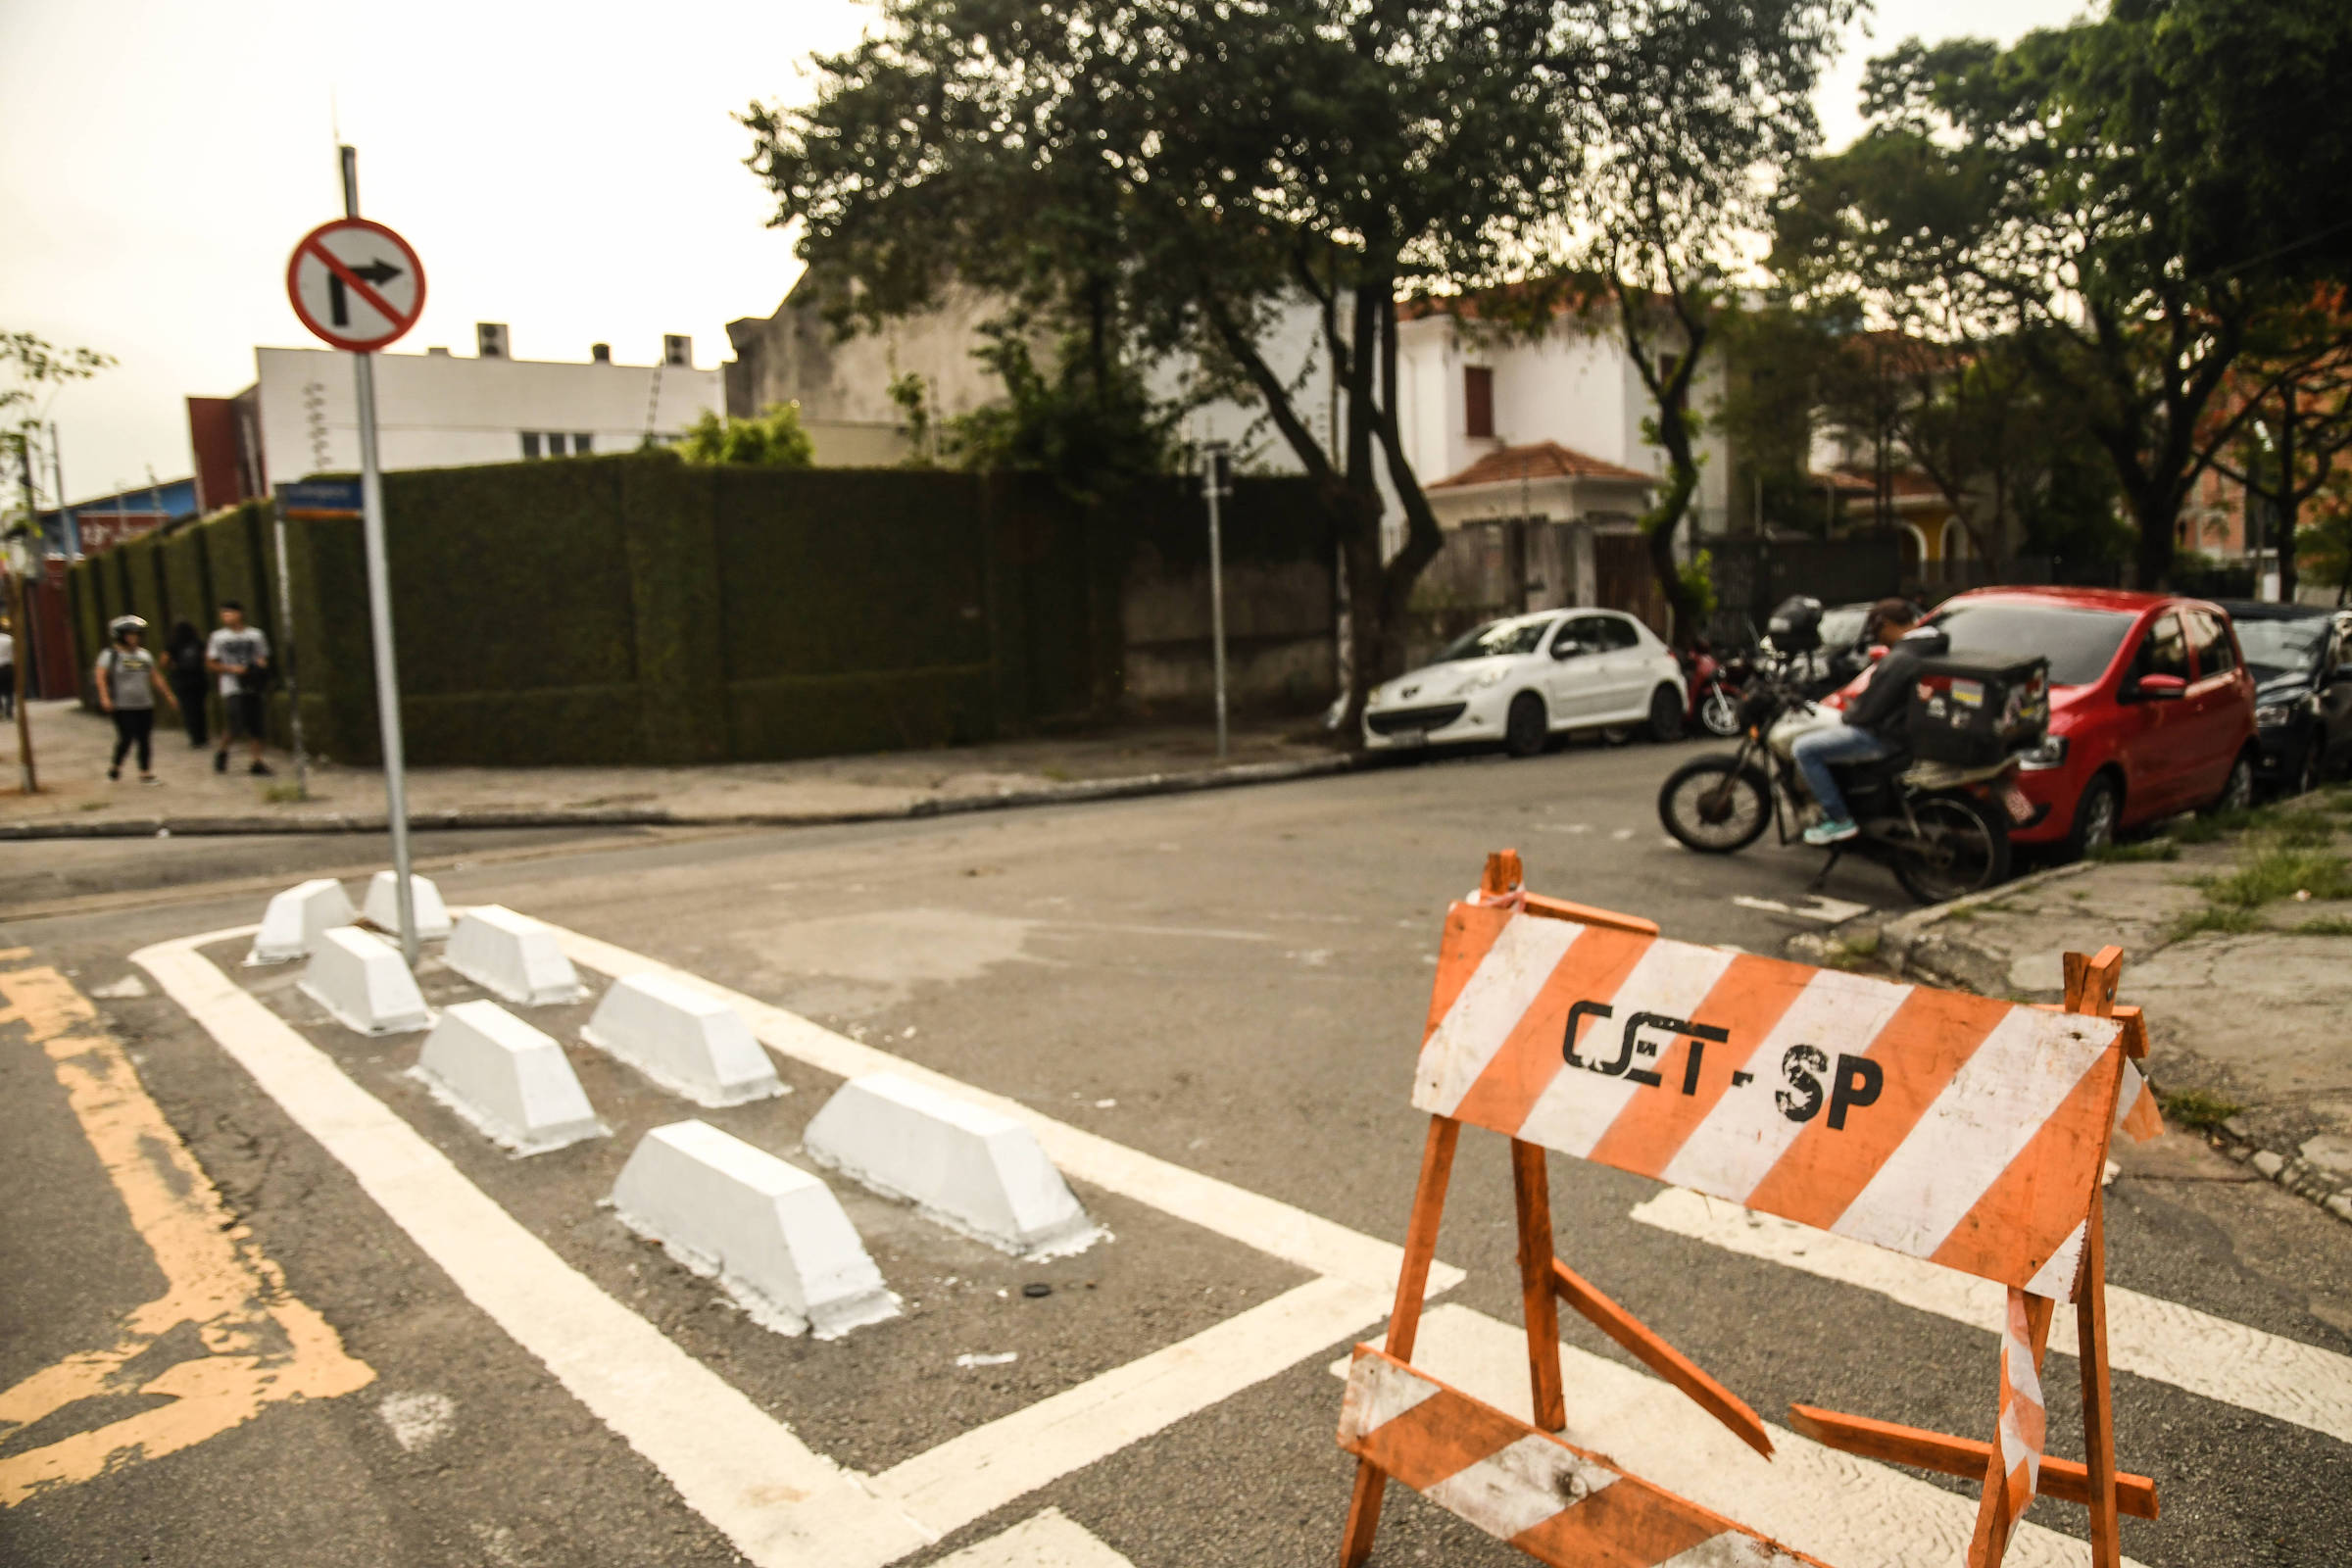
(320, 498)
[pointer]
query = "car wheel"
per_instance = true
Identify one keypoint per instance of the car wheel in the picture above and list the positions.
(2097, 814)
(2307, 775)
(2237, 791)
(1527, 726)
(1665, 716)
(1616, 734)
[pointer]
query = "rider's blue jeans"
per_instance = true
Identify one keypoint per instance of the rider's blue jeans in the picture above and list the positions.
(1817, 749)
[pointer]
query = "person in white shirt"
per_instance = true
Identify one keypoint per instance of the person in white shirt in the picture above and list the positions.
(239, 655)
(7, 672)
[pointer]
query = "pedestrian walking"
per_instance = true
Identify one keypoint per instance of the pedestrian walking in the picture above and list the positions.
(188, 682)
(127, 687)
(239, 655)
(8, 671)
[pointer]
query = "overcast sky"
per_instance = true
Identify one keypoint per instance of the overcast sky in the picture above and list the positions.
(571, 171)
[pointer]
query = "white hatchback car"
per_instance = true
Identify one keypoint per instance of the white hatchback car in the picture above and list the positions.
(1524, 678)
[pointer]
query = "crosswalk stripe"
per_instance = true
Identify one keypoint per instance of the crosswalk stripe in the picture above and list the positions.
(1811, 1499)
(1046, 1540)
(2147, 1337)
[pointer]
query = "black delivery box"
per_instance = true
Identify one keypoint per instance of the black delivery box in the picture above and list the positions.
(1972, 713)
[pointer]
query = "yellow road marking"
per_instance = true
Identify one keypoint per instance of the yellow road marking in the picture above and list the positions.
(263, 1345)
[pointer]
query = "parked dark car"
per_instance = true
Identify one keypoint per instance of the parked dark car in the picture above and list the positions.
(2302, 670)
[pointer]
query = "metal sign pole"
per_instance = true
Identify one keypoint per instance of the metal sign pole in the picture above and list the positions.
(285, 655)
(1213, 483)
(379, 609)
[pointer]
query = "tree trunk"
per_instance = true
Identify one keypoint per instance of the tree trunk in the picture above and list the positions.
(2290, 497)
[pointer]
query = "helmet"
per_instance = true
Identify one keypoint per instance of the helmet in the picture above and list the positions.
(122, 623)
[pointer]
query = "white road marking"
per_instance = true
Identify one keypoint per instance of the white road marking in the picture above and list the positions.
(2147, 1337)
(1049, 1540)
(1563, 827)
(1833, 1506)
(1273, 1227)
(1622, 834)
(973, 1475)
(780, 1502)
(1200, 933)
(1826, 910)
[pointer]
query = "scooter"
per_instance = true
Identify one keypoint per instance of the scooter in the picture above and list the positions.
(1714, 690)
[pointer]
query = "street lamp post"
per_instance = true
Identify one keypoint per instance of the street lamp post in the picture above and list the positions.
(1216, 466)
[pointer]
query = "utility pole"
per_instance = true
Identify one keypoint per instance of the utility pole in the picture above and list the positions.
(57, 479)
(1213, 466)
(379, 609)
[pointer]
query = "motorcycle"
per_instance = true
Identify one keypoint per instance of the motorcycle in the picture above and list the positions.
(1941, 829)
(1714, 690)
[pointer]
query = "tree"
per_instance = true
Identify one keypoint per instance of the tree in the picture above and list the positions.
(2088, 195)
(2295, 425)
(2325, 545)
(35, 370)
(1176, 178)
(1094, 431)
(775, 439)
(1708, 102)
(1181, 173)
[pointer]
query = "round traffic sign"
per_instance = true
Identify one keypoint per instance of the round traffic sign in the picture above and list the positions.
(356, 284)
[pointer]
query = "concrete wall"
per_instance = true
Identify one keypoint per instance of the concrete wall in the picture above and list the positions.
(796, 355)
(1280, 636)
(440, 411)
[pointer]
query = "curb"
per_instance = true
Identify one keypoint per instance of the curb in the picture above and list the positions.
(1114, 789)
(1908, 946)
(1913, 951)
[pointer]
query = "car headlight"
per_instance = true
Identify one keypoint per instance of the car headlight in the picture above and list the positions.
(1492, 677)
(2275, 714)
(1380, 695)
(2049, 754)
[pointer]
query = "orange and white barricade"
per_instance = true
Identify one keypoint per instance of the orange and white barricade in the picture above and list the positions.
(1963, 1130)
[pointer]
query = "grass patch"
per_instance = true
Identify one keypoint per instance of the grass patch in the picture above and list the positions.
(1057, 773)
(2327, 927)
(2210, 827)
(285, 793)
(93, 805)
(2276, 871)
(2195, 1108)
(2302, 830)
(2144, 849)
(2228, 918)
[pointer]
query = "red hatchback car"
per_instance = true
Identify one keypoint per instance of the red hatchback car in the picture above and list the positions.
(2151, 706)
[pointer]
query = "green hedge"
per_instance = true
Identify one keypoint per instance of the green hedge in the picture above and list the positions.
(634, 608)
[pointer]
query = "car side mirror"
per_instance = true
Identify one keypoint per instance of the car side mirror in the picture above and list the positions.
(1566, 651)
(2159, 688)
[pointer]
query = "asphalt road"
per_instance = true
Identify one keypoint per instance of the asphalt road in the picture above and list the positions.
(1234, 983)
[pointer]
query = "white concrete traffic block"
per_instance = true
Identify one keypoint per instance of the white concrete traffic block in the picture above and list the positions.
(509, 1080)
(361, 980)
(513, 955)
(688, 1043)
(296, 916)
(972, 1169)
(382, 907)
(771, 1233)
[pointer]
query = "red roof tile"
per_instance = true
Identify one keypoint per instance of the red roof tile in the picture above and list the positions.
(1543, 460)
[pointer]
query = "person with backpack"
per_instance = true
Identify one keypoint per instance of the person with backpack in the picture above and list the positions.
(239, 655)
(127, 687)
(187, 682)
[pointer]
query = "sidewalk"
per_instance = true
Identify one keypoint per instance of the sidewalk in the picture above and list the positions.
(70, 748)
(2237, 939)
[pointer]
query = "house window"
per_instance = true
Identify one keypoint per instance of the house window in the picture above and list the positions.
(554, 443)
(530, 443)
(581, 444)
(1478, 400)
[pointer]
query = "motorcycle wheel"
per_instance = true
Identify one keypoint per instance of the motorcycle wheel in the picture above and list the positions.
(1963, 847)
(1715, 806)
(1718, 712)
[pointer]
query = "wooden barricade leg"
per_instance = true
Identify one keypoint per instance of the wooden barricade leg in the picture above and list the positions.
(2099, 1410)
(1404, 1322)
(1995, 1522)
(1533, 1191)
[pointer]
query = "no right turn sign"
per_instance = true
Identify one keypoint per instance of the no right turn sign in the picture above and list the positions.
(356, 284)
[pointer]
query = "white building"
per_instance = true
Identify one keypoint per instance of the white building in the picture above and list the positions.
(438, 410)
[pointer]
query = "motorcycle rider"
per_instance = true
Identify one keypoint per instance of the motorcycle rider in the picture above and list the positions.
(1872, 725)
